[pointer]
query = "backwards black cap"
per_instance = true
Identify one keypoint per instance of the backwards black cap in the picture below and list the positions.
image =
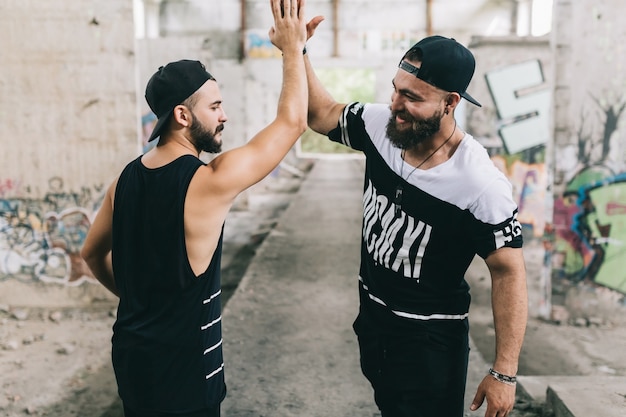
(445, 63)
(170, 86)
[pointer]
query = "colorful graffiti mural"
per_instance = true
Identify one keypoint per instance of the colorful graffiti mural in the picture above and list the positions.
(8, 186)
(40, 239)
(590, 225)
(590, 216)
(586, 238)
(258, 45)
(529, 183)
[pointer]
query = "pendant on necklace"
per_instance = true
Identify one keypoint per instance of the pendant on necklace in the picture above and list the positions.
(397, 199)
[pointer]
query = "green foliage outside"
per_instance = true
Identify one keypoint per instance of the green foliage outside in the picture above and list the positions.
(345, 85)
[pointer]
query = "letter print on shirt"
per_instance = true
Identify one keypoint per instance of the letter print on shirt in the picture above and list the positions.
(397, 242)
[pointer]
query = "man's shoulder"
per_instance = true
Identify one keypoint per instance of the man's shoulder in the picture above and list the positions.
(473, 161)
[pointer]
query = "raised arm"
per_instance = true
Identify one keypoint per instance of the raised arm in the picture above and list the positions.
(238, 169)
(509, 299)
(324, 111)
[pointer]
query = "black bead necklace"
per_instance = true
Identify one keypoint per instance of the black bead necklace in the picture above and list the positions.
(397, 200)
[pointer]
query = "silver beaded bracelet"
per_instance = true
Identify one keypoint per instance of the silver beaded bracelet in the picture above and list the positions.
(505, 379)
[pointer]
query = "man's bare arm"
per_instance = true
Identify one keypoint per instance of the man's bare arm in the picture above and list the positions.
(96, 250)
(238, 169)
(324, 111)
(509, 299)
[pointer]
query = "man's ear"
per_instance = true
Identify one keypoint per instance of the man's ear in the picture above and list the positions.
(182, 115)
(451, 101)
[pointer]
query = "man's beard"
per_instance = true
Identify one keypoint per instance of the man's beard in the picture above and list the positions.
(418, 132)
(203, 139)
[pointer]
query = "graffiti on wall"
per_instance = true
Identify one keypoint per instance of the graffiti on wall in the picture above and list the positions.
(590, 216)
(258, 45)
(522, 101)
(590, 225)
(40, 239)
(529, 191)
(8, 186)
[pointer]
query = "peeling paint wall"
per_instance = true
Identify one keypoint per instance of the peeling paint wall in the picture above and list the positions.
(589, 225)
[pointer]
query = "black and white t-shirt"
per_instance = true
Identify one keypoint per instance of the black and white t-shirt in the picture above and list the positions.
(415, 252)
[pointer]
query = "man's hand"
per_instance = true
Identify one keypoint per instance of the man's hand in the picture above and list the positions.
(509, 299)
(289, 31)
(312, 25)
(500, 397)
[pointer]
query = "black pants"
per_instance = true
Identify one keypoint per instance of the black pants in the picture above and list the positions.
(419, 372)
(215, 412)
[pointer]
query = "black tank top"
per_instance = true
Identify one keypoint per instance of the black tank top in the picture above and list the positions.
(167, 339)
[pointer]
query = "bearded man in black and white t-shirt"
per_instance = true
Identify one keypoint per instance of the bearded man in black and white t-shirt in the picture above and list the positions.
(433, 199)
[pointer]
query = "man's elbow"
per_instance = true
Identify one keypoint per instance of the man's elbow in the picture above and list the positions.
(302, 126)
(296, 125)
(89, 256)
(315, 124)
(323, 120)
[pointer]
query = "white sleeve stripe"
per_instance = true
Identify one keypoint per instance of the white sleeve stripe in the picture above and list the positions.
(345, 138)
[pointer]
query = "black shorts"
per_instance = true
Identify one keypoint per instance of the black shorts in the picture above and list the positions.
(419, 372)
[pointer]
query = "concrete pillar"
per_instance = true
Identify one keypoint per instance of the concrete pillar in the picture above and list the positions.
(524, 17)
(152, 17)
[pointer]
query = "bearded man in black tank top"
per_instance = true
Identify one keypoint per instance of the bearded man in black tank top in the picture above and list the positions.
(156, 240)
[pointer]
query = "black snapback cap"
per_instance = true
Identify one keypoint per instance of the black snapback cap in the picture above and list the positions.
(170, 86)
(445, 63)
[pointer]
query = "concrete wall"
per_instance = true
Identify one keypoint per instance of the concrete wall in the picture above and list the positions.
(362, 27)
(68, 123)
(588, 156)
